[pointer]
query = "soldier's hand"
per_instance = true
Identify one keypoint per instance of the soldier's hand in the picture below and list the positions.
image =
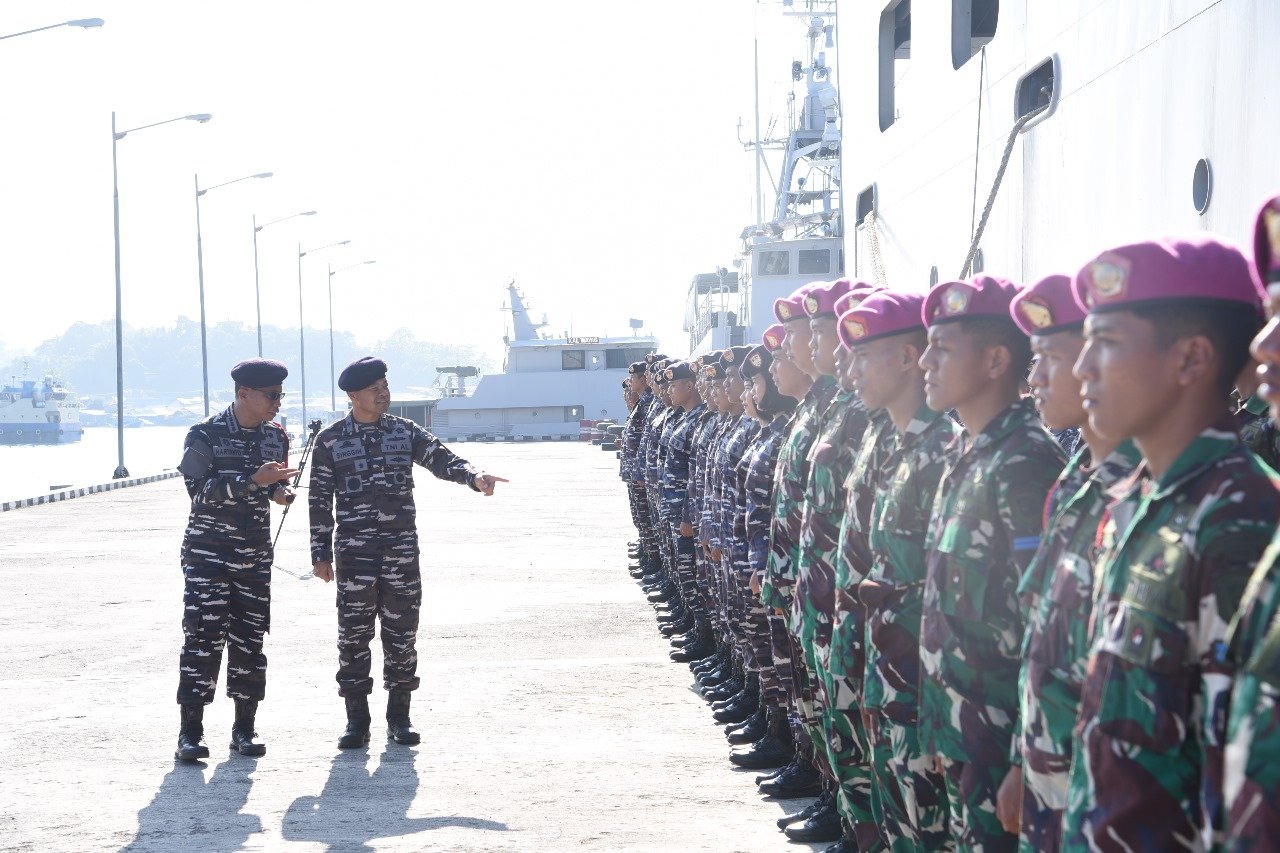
(274, 472)
(323, 570)
(284, 496)
(1009, 801)
(486, 483)
(686, 529)
(716, 554)
(755, 583)
(938, 766)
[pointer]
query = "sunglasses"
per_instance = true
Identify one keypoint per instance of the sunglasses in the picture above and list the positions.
(273, 396)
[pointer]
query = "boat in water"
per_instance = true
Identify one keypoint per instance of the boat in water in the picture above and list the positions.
(1015, 137)
(549, 388)
(38, 412)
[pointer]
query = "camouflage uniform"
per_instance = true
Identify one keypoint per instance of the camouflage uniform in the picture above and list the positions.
(1258, 432)
(655, 460)
(790, 487)
(368, 470)
(892, 594)
(633, 472)
(728, 524)
(985, 528)
(1251, 778)
(675, 499)
(1057, 595)
(761, 463)
(226, 556)
(843, 460)
(1178, 553)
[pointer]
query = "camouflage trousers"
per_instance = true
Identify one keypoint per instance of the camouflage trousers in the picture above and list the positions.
(377, 586)
(844, 740)
(782, 654)
(757, 640)
(908, 797)
(643, 519)
(226, 600)
(971, 796)
(685, 554)
(1044, 797)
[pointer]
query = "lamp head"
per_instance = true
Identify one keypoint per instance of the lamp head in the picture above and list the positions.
(200, 117)
(263, 175)
(86, 23)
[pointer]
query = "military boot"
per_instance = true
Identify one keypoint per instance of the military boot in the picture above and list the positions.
(824, 825)
(357, 733)
(801, 780)
(751, 729)
(824, 801)
(399, 729)
(774, 749)
(242, 733)
(191, 734)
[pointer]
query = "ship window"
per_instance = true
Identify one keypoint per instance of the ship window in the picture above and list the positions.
(774, 263)
(1201, 185)
(866, 203)
(895, 57)
(973, 25)
(573, 359)
(1037, 89)
(815, 261)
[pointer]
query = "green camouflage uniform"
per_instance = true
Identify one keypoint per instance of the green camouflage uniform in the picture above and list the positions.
(910, 799)
(789, 492)
(984, 531)
(844, 438)
(1057, 594)
(1252, 775)
(1149, 740)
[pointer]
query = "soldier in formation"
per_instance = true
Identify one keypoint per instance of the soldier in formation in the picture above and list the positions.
(963, 616)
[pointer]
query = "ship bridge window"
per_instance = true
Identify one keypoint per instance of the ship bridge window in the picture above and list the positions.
(895, 57)
(815, 261)
(774, 263)
(973, 25)
(573, 359)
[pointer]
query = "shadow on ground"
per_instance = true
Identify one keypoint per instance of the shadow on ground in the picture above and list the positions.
(356, 806)
(189, 813)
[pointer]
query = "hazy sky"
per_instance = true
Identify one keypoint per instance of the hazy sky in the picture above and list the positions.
(586, 149)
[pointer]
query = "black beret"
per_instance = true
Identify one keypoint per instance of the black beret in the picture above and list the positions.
(653, 356)
(756, 361)
(734, 355)
(679, 370)
(362, 373)
(713, 371)
(259, 373)
(637, 367)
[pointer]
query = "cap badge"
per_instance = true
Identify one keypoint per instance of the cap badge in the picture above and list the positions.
(728, 356)
(811, 304)
(1036, 312)
(784, 310)
(956, 300)
(1108, 280)
(671, 374)
(756, 360)
(855, 328)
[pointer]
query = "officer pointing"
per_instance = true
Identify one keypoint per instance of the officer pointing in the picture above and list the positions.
(365, 463)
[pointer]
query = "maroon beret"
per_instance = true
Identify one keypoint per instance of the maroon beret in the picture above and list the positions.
(792, 307)
(773, 337)
(1200, 267)
(821, 301)
(980, 296)
(1047, 306)
(880, 315)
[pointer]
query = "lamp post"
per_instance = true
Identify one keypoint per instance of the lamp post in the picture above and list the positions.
(116, 136)
(257, 290)
(204, 347)
(82, 23)
(302, 329)
(333, 392)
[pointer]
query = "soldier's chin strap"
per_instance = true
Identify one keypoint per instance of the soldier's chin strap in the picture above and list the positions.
(315, 427)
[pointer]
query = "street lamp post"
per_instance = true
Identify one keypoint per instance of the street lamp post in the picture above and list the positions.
(257, 290)
(82, 23)
(204, 347)
(116, 136)
(302, 329)
(333, 388)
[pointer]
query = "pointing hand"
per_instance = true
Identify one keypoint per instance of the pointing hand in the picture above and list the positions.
(487, 482)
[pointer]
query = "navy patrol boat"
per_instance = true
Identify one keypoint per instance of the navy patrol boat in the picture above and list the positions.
(549, 388)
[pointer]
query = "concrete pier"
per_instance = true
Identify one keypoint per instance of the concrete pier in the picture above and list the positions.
(551, 716)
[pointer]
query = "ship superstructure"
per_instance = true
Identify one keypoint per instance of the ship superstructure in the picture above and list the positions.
(38, 411)
(549, 385)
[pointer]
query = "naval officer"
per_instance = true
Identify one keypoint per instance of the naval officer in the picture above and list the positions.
(364, 463)
(233, 463)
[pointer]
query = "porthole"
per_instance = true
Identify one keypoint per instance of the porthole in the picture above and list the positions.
(1202, 185)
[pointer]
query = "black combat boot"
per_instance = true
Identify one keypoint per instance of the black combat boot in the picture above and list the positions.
(742, 708)
(824, 825)
(191, 734)
(242, 733)
(848, 843)
(399, 729)
(357, 733)
(801, 780)
(824, 801)
(749, 730)
(772, 750)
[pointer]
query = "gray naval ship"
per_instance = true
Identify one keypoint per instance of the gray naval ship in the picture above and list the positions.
(549, 389)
